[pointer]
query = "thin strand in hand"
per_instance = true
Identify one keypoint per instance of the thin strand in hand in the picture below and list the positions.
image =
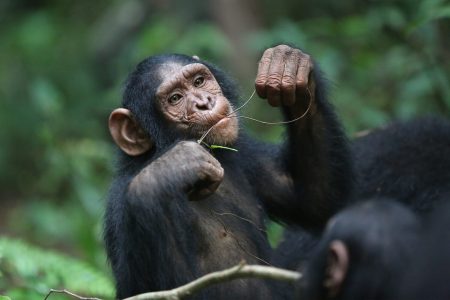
(233, 115)
(243, 105)
(282, 122)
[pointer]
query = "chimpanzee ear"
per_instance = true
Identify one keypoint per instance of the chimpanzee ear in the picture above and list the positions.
(337, 266)
(127, 133)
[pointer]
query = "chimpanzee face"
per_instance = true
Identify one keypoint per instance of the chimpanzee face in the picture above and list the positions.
(191, 100)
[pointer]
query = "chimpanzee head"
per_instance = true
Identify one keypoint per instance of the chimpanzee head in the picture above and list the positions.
(174, 97)
(363, 253)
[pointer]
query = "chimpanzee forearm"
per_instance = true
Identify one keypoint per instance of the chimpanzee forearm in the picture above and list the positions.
(316, 155)
(315, 158)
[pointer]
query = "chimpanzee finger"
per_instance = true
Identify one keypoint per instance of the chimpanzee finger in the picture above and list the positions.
(261, 76)
(208, 181)
(214, 162)
(202, 190)
(305, 67)
(288, 81)
(274, 77)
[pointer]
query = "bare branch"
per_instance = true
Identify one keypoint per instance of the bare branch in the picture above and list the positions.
(66, 292)
(240, 271)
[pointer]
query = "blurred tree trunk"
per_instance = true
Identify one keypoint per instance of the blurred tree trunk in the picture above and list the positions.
(238, 19)
(115, 28)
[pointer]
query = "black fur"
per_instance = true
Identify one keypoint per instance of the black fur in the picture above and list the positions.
(406, 161)
(427, 277)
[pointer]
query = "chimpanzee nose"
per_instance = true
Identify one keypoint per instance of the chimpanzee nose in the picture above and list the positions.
(204, 103)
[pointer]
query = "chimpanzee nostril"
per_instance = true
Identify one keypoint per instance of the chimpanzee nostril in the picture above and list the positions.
(202, 103)
(211, 102)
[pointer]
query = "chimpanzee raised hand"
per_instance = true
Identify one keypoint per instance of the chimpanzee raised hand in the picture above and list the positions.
(177, 211)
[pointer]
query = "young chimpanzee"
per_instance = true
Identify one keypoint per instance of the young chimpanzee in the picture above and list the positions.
(363, 254)
(177, 210)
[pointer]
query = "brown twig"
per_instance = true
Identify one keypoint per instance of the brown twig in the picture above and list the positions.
(66, 292)
(240, 271)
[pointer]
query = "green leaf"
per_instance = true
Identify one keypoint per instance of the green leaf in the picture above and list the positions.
(222, 147)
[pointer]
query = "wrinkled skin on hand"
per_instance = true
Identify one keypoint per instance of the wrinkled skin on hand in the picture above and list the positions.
(283, 75)
(188, 164)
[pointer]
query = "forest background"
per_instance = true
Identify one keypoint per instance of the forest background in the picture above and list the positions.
(62, 68)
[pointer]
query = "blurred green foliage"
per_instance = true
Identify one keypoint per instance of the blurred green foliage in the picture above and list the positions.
(29, 273)
(63, 64)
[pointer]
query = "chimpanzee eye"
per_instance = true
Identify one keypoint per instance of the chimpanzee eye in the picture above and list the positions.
(175, 98)
(199, 81)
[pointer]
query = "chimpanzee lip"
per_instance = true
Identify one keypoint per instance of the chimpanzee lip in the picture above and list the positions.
(220, 114)
(224, 119)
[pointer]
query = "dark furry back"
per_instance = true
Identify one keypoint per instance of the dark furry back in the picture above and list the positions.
(406, 161)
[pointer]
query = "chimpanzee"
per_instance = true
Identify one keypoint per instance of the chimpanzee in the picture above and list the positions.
(405, 161)
(364, 252)
(178, 210)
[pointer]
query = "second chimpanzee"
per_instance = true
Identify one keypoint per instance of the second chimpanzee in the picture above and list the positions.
(404, 161)
(177, 210)
(363, 254)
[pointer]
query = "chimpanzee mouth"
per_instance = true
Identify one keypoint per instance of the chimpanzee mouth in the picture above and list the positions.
(219, 127)
(220, 123)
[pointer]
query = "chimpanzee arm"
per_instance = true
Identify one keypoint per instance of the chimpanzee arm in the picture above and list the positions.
(150, 226)
(315, 158)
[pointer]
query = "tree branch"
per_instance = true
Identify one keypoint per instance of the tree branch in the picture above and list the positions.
(240, 271)
(70, 294)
